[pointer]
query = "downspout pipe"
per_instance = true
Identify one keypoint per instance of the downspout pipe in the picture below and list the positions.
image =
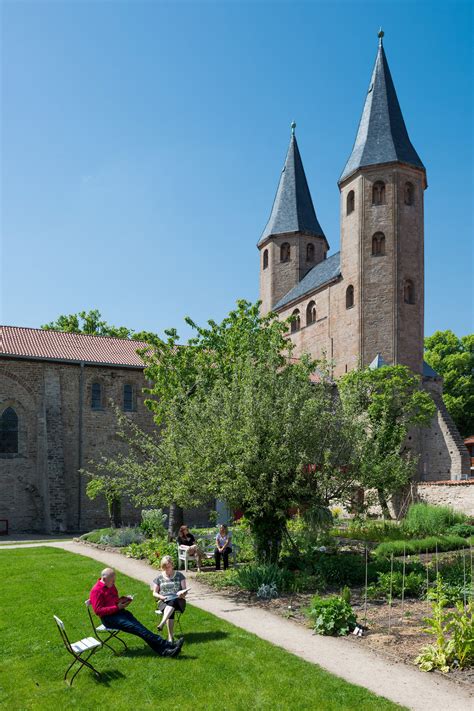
(80, 446)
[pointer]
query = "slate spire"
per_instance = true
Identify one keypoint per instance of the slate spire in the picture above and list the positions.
(293, 209)
(382, 136)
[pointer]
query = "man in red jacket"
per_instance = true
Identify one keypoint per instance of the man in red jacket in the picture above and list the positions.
(107, 605)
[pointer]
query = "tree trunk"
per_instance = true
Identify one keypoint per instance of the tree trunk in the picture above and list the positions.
(384, 505)
(115, 513)
(268, 532)
(175, 520)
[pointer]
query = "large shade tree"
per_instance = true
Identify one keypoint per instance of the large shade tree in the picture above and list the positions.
(391, 403)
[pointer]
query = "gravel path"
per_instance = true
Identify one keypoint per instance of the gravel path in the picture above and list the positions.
(395, 681)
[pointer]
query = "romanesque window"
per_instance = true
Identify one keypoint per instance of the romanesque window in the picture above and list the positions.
(349, 297)
(265, 259)
(409, 193)
(296, 322)
(350, 203)
(128, 398)
(409, 292)
(378, 244)
(96, 396)
(9, 431)
(378, 193)
(285, 252)
(310, 253)
(311, 313)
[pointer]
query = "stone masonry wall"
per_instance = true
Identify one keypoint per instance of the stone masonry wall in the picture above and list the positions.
(457, 494)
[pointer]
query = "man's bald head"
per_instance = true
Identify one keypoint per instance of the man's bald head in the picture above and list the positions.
(108, 576)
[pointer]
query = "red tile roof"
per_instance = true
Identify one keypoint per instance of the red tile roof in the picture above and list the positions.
(16, 341)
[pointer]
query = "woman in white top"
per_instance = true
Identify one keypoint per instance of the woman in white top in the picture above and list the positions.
(223, 547)
(168, 590)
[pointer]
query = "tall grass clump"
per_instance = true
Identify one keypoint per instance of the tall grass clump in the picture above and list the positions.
(422, 545)
(427, 520)
(252, 577)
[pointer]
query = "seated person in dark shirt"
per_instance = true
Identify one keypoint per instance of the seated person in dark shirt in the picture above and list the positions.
(107, 605)
(170, 591)
(185, 538)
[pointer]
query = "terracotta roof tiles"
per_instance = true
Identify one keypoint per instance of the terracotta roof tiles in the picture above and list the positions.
(35, 343)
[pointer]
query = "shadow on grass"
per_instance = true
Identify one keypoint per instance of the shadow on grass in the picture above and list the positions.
(147, 652)
(107, 676)
(198, 637)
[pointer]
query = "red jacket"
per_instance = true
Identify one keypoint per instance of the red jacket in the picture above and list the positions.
(104, 600)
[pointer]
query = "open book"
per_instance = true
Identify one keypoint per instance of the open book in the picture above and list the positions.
(176, 596)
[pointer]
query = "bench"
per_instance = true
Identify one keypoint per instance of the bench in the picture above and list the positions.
(207, 544)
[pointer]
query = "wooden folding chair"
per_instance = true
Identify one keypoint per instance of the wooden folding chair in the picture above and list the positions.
(101, 629)
(77, 649)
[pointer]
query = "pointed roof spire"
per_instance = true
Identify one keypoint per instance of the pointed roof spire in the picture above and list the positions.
(293, 209)
(382, 136)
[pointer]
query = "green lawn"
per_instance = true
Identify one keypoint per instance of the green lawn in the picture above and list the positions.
(221, 667)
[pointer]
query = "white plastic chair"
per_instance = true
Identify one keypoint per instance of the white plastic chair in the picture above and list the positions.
(88, 645)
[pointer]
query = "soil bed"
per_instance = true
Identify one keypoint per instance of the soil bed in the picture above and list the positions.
(396, 633)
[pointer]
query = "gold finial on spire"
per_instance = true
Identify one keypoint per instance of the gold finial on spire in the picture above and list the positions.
(293, 126)
(380, 36)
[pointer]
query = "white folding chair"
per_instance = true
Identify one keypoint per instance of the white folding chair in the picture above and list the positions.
(101, 629)
(88, 645)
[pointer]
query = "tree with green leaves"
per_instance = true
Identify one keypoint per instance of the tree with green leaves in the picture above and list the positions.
(453, 359)
(390, 403)
(241, 421)
(112, 487)
(92, 324)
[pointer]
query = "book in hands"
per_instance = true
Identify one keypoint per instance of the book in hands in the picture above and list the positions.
(176, 596)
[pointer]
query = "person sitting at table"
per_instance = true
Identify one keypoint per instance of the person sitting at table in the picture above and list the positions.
(107, 605)
(223, 547)
(186, 538)
(169, 590)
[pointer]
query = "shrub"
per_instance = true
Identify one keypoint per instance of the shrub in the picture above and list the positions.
(426, 520)
(267, 592)
(121, 537)
(96, 535)
(415, 585)
(153, 523)
(332, 616)
(464, 530)
(454, 633)
(421, 545)
(153, 551)
(252, 577)
(219, 580)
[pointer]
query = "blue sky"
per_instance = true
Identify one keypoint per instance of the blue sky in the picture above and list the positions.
(142, 145)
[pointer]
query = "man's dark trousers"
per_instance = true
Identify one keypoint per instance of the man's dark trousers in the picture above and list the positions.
(124, 620)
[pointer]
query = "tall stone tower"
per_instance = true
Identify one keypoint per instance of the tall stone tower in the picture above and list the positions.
(292, 242)
(382, 237)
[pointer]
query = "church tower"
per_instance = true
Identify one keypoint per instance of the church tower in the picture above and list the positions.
(292, 242)
(382, 236)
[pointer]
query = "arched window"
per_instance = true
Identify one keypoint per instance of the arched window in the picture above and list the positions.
(409, 193)
(9, 431)
(96, 396)
(265, 258)
(378, 193)
(311, 313)
(285, 252)
(378, 244)
(409, 292)
(349, 297)
(296, 322)
(128, 399)
(350, 203)
(310, 253)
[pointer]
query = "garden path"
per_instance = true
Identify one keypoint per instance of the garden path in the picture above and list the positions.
(395, 681)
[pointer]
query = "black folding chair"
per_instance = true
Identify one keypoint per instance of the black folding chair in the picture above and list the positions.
(101, 629)
(88, 645)
(177, 617)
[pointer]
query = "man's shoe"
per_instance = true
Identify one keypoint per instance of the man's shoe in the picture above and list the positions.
(175, 649)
